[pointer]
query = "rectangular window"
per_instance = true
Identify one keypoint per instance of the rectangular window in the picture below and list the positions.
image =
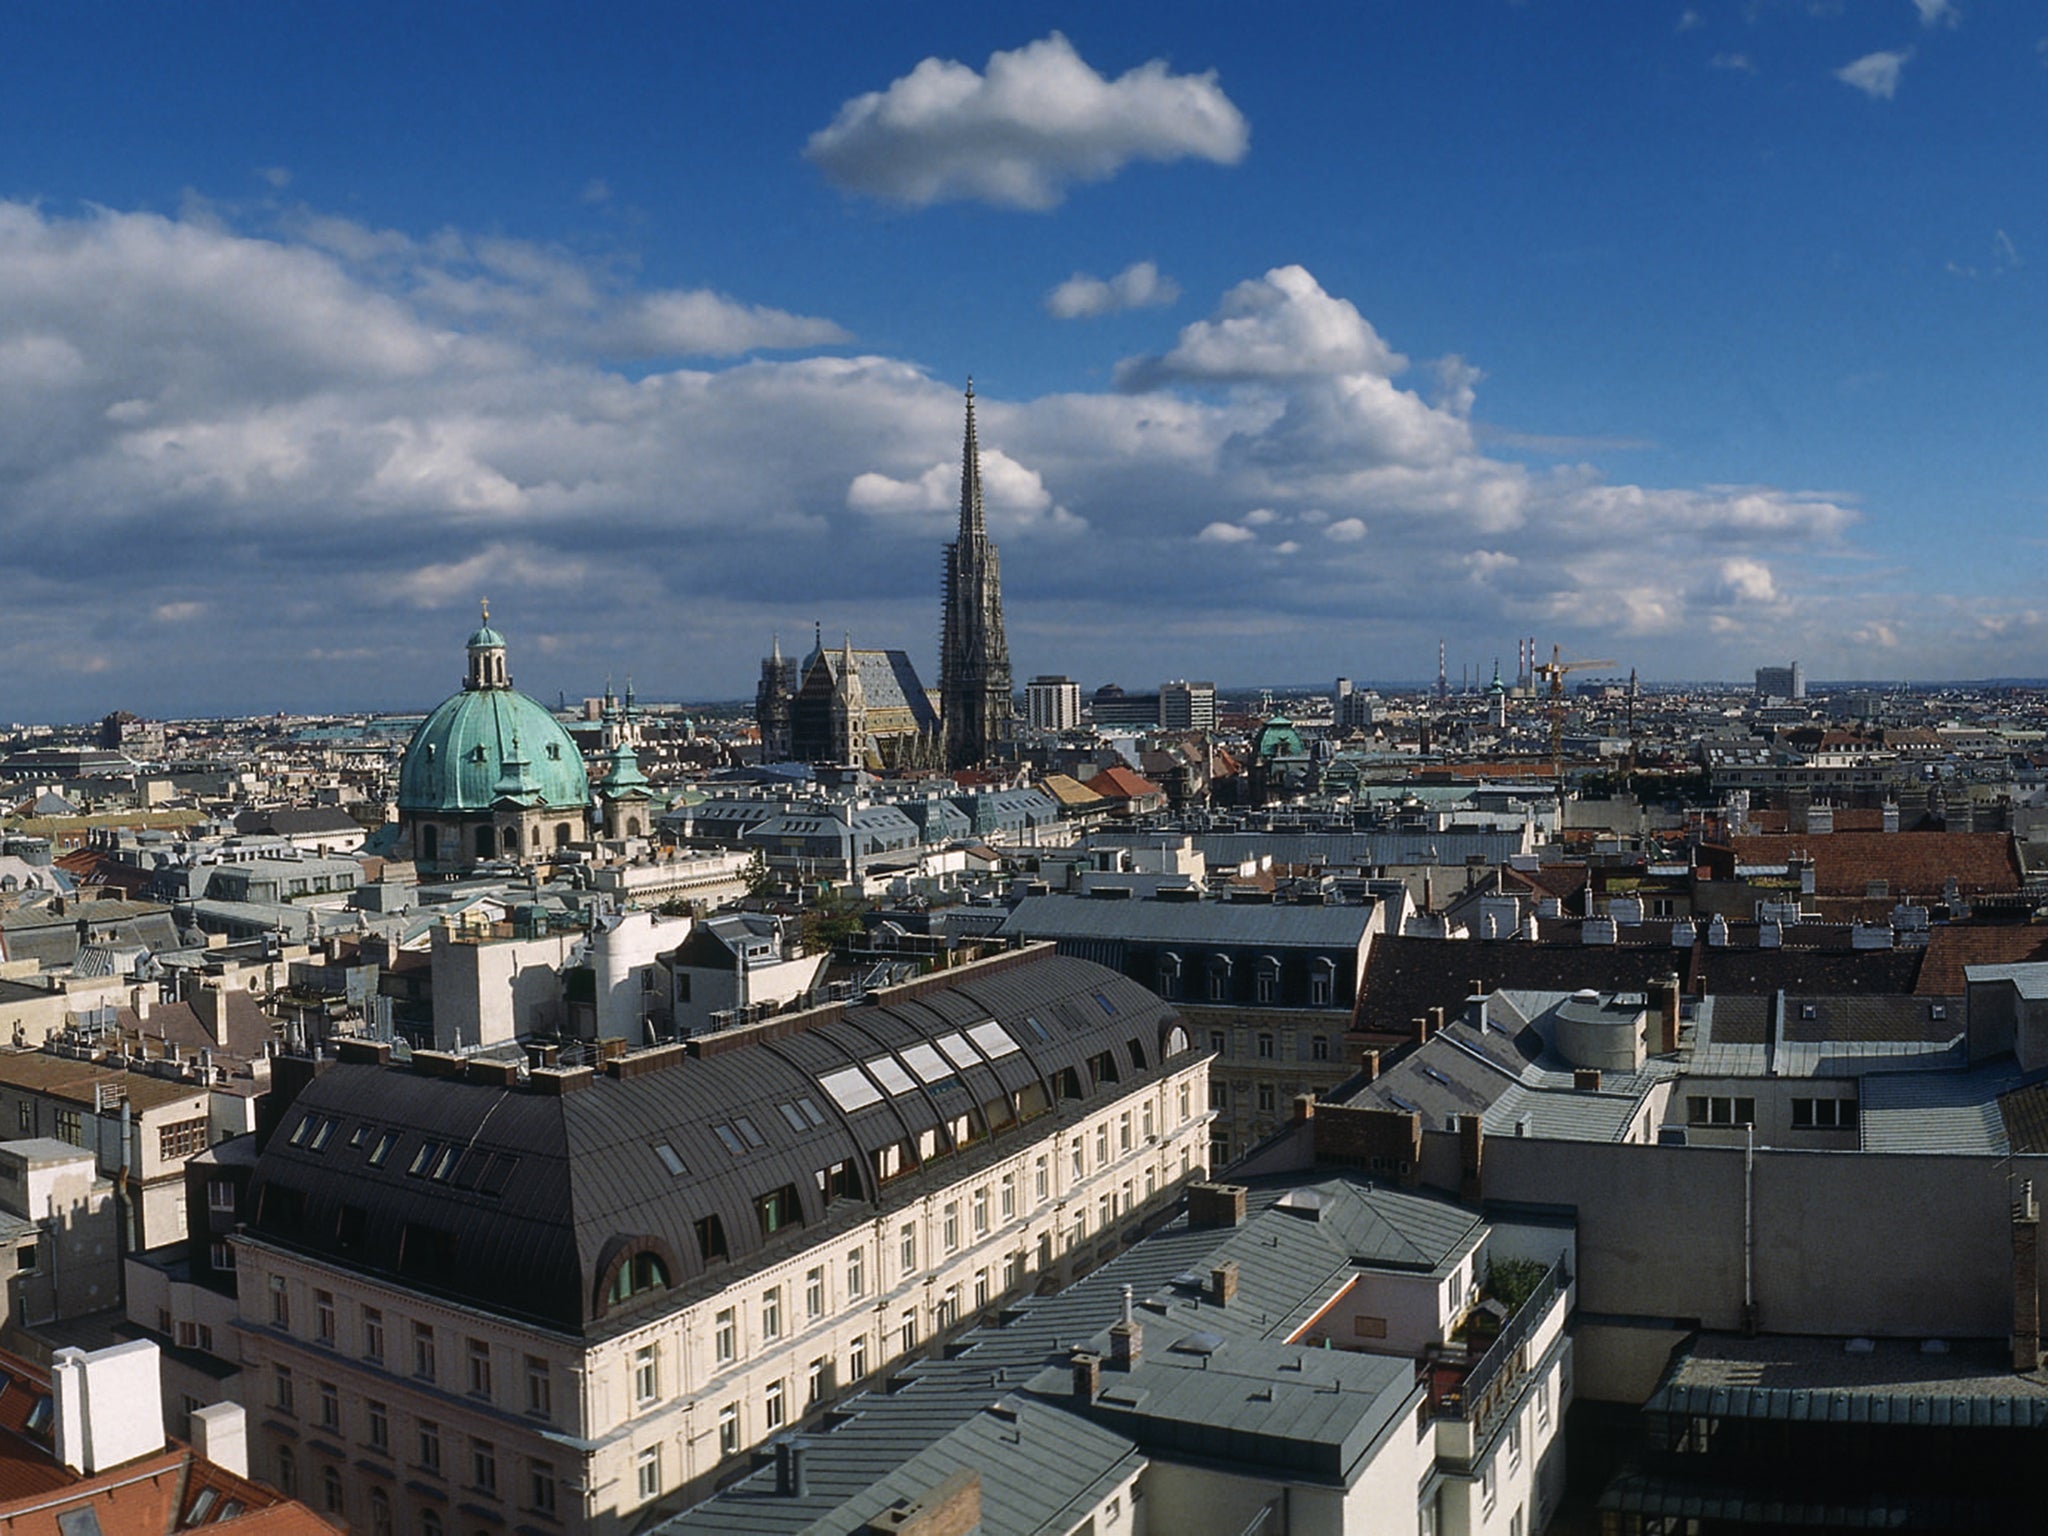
(70, 1128)
(647, 1472)
(540, 1389)
(220, 1196)
(1266, 1098)
(907, 1332)
(1319, 1048)
(773, 1407)
(281, 1388)
(323, 1317)
(483, 1466)
(981, 1287)
(1123, 1131)
(857, 1359)
(1266, 1045)
(725, 1337)
(1515, 1443)
(380, 1425)
(423, 1351)
(280, 1303)
(181, 1139)
(223, 1253)
(330, 1406)
(541, 1486)
(1716, 1110)
(980, 1209)
(1101, 1144)
(373, 1334)
(479, 1368)
(814, 1293)
(646, 1376)
(1542, 1405)
(729, 1430)
(1219, 1096)
(907, 1249)
(1080, 1160)
(1183, 1101)
(1042, 1177)
(771, 1313)
(25, 1116)
(818, 1381)
(430, 1445)
(1008, 1199)
(856, 1274)
(950, 1225)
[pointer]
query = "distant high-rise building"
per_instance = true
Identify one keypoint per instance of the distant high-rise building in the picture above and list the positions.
(1185, 706)
(1781, 682)
(1109, 705)
(1052, 703)
(975, 703)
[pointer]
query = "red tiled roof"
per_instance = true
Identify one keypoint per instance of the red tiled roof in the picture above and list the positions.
(1122, 784)
(1909, 863)
(1952, 946)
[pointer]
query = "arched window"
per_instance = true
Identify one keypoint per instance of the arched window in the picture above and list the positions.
(641, 1273)
(632, 826)
(536, 835)
(1219, 978)
(561, 834)
(1176, 1040)
(1169, 974)
(1268, 979)
(380, 1512)
(430, 842)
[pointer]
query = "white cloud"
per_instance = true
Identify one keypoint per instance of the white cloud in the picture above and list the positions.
(1017, 136)
(1014, 499)
(1937, 13)
(1138, 286)
(700, 323)
(1346, 530)
(1876, 75)
(1259, 517)
(1736, 63)
(1225, 533)
(1280, 326)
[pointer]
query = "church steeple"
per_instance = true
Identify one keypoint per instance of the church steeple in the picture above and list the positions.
(972, 526)
(975, 705)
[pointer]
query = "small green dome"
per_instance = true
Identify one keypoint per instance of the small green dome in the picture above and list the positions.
(486, 638)
(456, 761)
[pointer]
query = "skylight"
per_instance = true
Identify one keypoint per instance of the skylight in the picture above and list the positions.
(850, 1089)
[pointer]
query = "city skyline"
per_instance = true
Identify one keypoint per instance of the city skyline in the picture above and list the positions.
(1696, 336)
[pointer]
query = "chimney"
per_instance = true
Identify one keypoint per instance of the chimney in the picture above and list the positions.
(1369, 1065)
(1476, 987)
(1215, 1205)
(109, 1405)
(792, 1477)
(1471, 1148)
(1586, 1079)
(220, 1434)
(1126, 1338)
(138, 999)
(1422, 1030)
(2026, 1281)
(1304, 1108)
(1223, 1283)
(953, 1508)
(1436, 1021)
(1087, 1375)
(1667, 1014)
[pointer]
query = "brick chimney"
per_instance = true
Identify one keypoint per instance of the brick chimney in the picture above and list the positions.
(1667, 1014)
(1215, 1205)
(1223, 1283)
(1087, 1375)
(953, 1508)
(1126, 1338)
(1304, 1108)
(2026, 1281)
(1369, 1065)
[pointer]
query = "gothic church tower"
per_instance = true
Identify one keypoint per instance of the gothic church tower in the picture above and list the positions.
(975, 703)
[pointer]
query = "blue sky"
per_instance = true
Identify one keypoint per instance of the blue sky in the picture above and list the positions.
(1692, 336)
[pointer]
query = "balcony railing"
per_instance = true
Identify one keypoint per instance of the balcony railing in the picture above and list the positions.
(1489, 1386)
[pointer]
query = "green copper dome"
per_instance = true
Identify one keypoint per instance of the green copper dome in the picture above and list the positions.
(486, 637)
(487, 744)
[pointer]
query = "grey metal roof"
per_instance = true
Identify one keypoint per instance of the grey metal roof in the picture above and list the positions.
(2029, 977)
(1819, 1380)
(1243, 924)
(1953, 1112)
(549, 1190)
(1000, 1400)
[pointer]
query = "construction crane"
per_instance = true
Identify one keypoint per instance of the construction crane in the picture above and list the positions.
(1553, 671)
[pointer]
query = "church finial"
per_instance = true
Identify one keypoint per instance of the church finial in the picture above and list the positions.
(486, 604)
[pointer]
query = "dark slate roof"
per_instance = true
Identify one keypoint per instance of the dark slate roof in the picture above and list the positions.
(291, 821)
(1146, 920)
(1820, 1380)
(552, 1190)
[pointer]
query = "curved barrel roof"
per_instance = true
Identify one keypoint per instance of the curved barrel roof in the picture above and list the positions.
(527, 1198)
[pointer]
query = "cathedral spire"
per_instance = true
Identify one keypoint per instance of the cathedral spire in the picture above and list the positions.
(972, 527)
